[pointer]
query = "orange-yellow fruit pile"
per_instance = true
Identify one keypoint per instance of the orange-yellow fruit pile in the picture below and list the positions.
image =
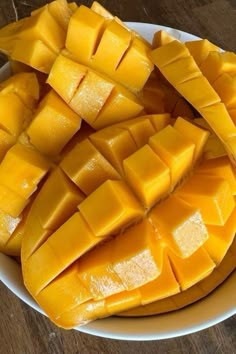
(117, 171)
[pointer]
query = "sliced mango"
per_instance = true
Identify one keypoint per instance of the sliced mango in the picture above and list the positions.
(148, 175)
(175, 150)
(87, 167)
(53, 125)
(218, 63)
(200, 49)
(120, 209)
(159, 121)
(212, 195)
(180, 225)
(122, 301)
(225, 86)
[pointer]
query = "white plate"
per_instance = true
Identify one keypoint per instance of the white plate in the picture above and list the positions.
(216, 307)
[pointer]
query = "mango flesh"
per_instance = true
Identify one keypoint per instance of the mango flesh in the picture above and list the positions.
(113, 276)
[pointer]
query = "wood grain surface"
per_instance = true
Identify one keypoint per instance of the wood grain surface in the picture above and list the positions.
(23, 330)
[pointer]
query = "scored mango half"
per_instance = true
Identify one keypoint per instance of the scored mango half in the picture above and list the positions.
(118, 197)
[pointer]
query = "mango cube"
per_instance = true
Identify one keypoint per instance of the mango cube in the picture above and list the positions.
(200, 49)
(87, 167)
(159, 121)
(10, 202)
(114, 43)
(59, 251)
(119, 210)
(225, 86)
(53, 125)
(181, 70)
(91, 96)
(120, 106)
(6, 142)
(179, 225)
(97, 274)
(169, 53)
(163, 286)
(148, 175)
(22, 169)
(140, 128)
(8, 226)
(141, 263)
(212, 195)
(219, 167)
(63, 293)
(218, 63)
(220, 238)
(65, 77)
(196, 134)
(161, 38)
(213, 148)
(57, 200)
(115, 144)
(191, 270)
(90, 26)
(175, 150)
(123, 301)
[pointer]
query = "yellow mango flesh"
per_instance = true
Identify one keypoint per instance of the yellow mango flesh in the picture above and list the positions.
(159, 121)
(147, 175)
(200, 49)
(220, 238)
(163, 286)
(122, 301)
(219, 167)
(143, 262)
(218, 63)
(140, 128)
(161, 38)
(225, 86)
(65, 77)
(120, 209)
(50, 138)
(6, 142)
(115, 145)
(66, 286)
(184, 232)
(194, 133)
(87, 167)
(8, 226)
(174, 149)
(191, 270)
(212, 195)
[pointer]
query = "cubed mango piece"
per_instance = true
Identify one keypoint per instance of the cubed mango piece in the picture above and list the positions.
(61, 11)
(97, 274)
(115, 144)
(141, 263)
(198, 92)
(120, 106)
(120, 208)
(22, 169)
(35, 54)
(13, 113)
(14, 244)
(59, 251)
(8, 226)
(197, 135)
(53, 125)
(169, 53)
(179, 225)
(63, 293)
(163, 286)
(25, 85)
(135, 66)
(87, 167)
(175, 150)
(147, 175)
(65, 77)
(114, 42)
(44, 27)
(218, 63)
(181, 70)
(123, 301)
(221, 238)
(91, 96)
(159, 121)
(57, 201)
(219, 167)
(225, 86)
(191, 270)
(212, 195)
(161, 38)
(200, 49)
(6, 142)
(213, 148)
(90, 26)
(140, 128)
(10, 202)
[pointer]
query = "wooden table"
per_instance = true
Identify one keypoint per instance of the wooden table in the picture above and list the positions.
(24, 331)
